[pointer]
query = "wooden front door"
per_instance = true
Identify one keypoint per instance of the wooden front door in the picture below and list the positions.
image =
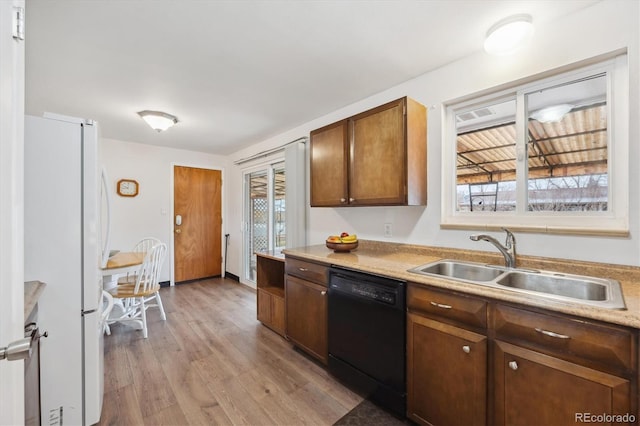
(197, 195)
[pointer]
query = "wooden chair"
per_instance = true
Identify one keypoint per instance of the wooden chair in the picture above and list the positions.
(145, 244)
(142, 246)
(137, 295)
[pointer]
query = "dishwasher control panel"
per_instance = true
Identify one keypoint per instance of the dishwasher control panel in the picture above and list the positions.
(362, 288)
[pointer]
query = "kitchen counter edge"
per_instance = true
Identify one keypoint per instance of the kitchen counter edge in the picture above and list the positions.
(393, 259)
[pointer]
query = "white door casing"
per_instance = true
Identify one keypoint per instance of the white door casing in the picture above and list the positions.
(11, 212)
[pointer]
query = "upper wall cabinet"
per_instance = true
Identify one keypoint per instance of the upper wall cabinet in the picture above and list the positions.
(376, 158)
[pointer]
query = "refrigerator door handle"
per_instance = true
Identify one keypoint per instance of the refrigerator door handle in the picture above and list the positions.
(107, 196)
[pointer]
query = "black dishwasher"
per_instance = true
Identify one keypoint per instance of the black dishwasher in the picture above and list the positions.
(367, 329)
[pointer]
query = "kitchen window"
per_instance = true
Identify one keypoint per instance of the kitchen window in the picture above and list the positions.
(550, 155)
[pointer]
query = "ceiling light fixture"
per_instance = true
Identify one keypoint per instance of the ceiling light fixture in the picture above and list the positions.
(158, 120)
(508, 35)
(551, 114)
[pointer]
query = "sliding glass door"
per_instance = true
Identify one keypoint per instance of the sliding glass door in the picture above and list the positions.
(265, 213)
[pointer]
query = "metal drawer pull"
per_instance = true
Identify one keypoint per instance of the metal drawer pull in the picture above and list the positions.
(440, 305)
(513, 365)
(466, 349)
(552, 334)
(303, 269)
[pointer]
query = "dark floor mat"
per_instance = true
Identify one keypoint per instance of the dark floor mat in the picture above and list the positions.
(367, 413)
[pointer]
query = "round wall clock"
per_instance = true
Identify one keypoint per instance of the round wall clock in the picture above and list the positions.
(127, 187)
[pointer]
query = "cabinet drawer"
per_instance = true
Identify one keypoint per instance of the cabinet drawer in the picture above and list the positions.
(570, 338)
(307, 270)
(450, 306)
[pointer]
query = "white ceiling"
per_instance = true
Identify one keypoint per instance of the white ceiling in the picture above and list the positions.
(238, 72)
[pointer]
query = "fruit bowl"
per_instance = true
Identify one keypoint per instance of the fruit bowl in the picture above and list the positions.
(342, 247)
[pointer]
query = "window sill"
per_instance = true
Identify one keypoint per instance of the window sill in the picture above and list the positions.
(555, 230)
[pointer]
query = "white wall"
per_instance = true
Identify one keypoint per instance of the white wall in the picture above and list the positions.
(600, 29)
(150, 213)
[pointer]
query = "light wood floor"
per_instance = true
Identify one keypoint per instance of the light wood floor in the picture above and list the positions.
(212, 362)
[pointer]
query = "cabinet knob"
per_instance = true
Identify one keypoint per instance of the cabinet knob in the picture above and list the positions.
(513, 365)
(178, 231)
(343, 200)
(351, 200)
(323, 292)
(466, 349)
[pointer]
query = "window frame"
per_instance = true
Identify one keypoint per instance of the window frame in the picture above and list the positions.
(269, 167)
(614, 221)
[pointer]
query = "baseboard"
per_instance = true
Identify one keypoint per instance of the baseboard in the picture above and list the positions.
(227, 275)
(231, 276)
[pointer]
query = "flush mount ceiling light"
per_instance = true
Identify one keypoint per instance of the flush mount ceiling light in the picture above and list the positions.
(158, 120)
(551, 114)
(508, 35)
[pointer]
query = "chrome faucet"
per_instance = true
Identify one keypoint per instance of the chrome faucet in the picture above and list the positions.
(508, 250)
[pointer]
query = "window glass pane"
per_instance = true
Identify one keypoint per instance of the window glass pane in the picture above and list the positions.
(567, 147)
(485, 163)
(258, 218)
(279, 208)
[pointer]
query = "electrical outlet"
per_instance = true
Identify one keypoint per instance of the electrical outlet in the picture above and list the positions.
(388, 231)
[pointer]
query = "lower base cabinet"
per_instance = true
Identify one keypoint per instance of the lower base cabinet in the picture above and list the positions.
(534, 388)
(526, 367)
(306, 324)
(447, 384)
(271, 309)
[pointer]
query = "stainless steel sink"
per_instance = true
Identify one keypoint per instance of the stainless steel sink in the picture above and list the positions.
(579, 289)
(461, 270)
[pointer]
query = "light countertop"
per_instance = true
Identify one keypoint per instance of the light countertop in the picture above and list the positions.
(393, 260)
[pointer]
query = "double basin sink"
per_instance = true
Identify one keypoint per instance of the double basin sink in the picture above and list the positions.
(583, 290)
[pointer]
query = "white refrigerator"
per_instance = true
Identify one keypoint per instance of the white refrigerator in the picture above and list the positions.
(63, 249)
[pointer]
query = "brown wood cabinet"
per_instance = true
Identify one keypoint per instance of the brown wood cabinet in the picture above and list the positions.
(378, 157)
(447, 381)
(533, 388)
(446, 363)
(472, 360)
(550, 368)
(270, 283)
(306, 307)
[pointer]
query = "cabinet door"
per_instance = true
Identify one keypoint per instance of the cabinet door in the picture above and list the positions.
(329, 160)
(377, 171)
(264, 307)
(271, 310)
(306, 316)
(277, 314)
(447, 373)
(533, 388)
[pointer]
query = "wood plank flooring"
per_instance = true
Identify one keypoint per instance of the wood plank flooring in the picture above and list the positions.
(211, 362)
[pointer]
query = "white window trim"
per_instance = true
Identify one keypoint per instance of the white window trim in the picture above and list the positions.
(614, 222)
